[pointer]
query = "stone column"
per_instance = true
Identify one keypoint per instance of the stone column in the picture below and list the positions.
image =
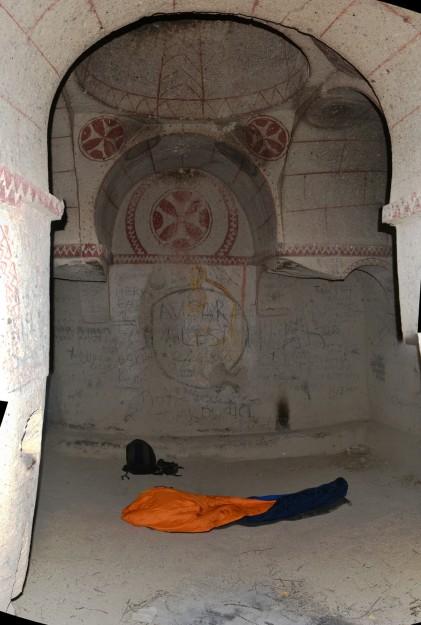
(405, 216)
(26, 213)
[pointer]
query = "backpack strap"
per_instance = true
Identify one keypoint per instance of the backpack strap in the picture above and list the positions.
(125, 476)
(167, 468)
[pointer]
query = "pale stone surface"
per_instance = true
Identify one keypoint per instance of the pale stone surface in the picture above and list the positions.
(113, 16)
(57, 25)
(24, 335)
(360, 18)
(390, 360)
(409, 271)
(24, 338)
(405, 169)
(22, 424)
(404, 64)
(28, 18)
(29, 62)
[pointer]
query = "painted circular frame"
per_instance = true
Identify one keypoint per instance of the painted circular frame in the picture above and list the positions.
(181, 219)
(101, 138)
(267, 137)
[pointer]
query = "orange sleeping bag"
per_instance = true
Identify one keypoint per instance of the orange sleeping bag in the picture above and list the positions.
(172, 510)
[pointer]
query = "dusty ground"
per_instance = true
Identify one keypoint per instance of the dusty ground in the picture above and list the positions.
(359, 564)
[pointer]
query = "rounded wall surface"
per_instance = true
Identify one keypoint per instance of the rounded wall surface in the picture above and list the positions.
(336, 174)
(184, 193)
(178, 215)
(195, 69)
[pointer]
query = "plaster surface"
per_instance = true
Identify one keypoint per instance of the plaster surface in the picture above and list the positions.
(24, 341)
(359, 564)
(172, 350)
(393, 366)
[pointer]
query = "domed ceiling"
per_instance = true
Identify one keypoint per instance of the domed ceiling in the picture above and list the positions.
(195, 69)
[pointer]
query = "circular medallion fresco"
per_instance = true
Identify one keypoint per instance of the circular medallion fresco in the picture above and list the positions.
(101, 138)
(181, 219)
(266, 137)
(168, 215)
(197, 334)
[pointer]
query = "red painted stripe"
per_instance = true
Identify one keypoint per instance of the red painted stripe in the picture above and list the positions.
(406, 116)
(344, 10)
(208, 100)
(343, 140)
(393, 9)
(92, 8)
(338, 172)
(32, 42)
(20, 111)
(318, 208)
(40, 17)
(395, 53)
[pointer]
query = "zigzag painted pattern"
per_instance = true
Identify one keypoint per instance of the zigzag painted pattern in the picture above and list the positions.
(150, 259)
(15, 190)
(402, 208)
(93, 250)
(319, 249)
(80, 250)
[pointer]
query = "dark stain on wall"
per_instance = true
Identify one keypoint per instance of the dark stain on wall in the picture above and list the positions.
(378, 367)
(283, 414)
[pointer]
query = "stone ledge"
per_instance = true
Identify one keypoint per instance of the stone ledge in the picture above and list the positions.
(313, 441)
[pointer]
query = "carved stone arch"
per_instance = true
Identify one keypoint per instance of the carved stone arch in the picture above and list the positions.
(184, 153)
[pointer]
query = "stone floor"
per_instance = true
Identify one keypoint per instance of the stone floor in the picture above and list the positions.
(359, 564)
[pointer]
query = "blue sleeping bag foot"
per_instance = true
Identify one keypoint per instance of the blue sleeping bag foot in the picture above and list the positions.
(303, 502)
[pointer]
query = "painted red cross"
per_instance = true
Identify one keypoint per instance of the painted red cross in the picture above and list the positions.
(101, 138)
(266, 137)
(181, 219)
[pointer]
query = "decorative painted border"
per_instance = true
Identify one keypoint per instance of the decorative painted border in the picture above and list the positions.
(319, 249)
(131, 233)
(81, 250)
(15, 191)
(153, 105)
(232, 230)
(151, 259)
(402, 208)
(94, 250)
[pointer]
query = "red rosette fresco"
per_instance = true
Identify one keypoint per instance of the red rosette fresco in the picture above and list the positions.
(101, 138)
(181, 219)
(266, 137)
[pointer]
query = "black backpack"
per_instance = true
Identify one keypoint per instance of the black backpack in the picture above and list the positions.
(141, 460)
